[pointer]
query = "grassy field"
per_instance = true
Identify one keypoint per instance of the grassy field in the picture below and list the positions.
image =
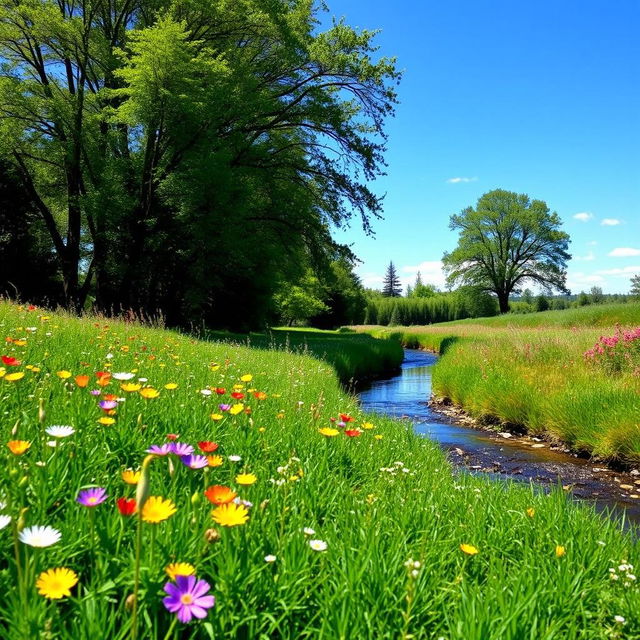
(532, 370)
(346, 526)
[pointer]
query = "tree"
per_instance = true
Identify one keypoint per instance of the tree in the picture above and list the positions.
(421, 290)
(635, 285)
(542, 303)
(391, 287)
(297, 303)
(597, 297)
(505, 242)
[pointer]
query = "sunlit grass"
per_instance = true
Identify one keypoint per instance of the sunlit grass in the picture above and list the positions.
(374, 501)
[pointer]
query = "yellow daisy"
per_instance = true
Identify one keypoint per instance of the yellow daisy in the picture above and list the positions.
(56, 583)
(157, 509)
(130, 476)
(230, 514)
(246, 478)
(329, 432)
(469, 549)
(179, 569)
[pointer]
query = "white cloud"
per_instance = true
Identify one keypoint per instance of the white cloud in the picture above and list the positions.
(577, 280)
(458, 180)
(624, 252)
(620, 271)
(584, 216)
(588, 258)
(610, 222)
(430, 271)
(371, 280)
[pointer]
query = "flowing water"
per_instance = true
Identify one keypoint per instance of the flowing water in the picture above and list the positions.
(407, 395)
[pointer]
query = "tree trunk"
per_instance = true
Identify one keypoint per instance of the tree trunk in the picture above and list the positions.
(503, 301)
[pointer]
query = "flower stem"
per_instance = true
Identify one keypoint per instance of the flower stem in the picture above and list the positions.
(136, 581)
(171, 628)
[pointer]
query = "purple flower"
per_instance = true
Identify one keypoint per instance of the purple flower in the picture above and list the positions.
(180, 448)
(92, 497)
(224, 407)
(107, 405)
(95, 392)
(187, 598)
(160, 450)
(194, 461)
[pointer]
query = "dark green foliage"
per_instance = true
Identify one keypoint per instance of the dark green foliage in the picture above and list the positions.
(635, 285)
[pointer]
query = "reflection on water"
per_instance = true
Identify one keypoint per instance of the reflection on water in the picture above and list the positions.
(406, 396)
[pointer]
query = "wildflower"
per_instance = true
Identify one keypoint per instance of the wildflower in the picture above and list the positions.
(329, 432)
(181, 448)
(221, 391)
(377, 437)
(10, 361)
(219, 494)
(170, 386)
(14, 377)
(224, 407)
(4, 521)
(619, 619)
(346, 417)
(187, 598)
(308, 531)
(157, 509)
(247, 377)
(214, 461)
(82, 381)
(216, 417)
(270, 558)
(230, 514)
(367, 425)
(39, 536)
(531, 512)
(318, 545)
(106, 420)
(469, 549)
(18, 447)
(194, 461)
(160, 450)
(122, 376)
(149, 392)
(179, 569)
(63, 375)
(56, 583)
(206, 392)
(173, 436)
(212, 535)
(60, 431)
(234, 458)
(126, 507)
(107, 405)
(92, 497)
(353, 433)
(131, 387)
(560, 551)
(236, 409)
(246, 478)
(207, 446)
(130, 476)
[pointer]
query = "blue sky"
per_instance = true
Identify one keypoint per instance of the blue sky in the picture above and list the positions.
(536, 97)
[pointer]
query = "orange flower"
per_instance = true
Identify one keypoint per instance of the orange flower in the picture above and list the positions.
(18, 447)
(218, 494)
(214, 461)
(82, 381)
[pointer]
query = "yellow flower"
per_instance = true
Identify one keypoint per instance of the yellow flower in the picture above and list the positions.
(469, 549)
(20, 343)
(560, 551)
(56, 583)
(216, 417)
(377, 436)
(368, 425)
(246, 478)
(236, 409)
(230, 514)
(157, 509)
(130, 476)
(106, 420)
(2, 372)
(63, 375)
(531, 512)
(330, 432)
(171, 386)
(149, 392)
(13, 377)
(214, 367)
(130, 387)
(214, 461)
(180, 569)
(18, 447)
(247, 377)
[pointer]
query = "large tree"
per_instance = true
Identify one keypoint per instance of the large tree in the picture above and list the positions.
(391, 286)
(506, 241)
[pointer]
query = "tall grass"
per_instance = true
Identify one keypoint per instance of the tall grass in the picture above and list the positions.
(378, 501)
(526, 372)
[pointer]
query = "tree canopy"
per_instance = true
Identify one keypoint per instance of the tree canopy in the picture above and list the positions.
(506, 241)
(189, 156)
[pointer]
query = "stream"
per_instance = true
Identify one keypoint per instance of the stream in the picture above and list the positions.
(477, 450)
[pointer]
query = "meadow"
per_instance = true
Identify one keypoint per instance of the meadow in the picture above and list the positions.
(158, 486)
(571, 375)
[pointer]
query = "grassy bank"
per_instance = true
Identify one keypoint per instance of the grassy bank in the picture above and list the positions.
(354, 356)
(363, 534)
(537, 375)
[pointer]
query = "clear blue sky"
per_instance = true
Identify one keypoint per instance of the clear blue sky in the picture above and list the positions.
(539, 97)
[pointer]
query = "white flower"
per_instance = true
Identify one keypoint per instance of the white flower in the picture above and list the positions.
(39, 536)
(143, 379)
(60, 431)
(122, 375)
(109, 356)
(270, 558)
(52, 443)
(206, 392)
(415, 573)
(619, 619)
(234, 458)
(4, 521)
(318, 545)
(308, 531)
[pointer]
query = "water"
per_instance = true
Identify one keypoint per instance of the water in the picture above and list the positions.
(407, 394)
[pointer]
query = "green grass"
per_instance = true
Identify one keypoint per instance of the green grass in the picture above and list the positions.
(535, 375)
(376, 501)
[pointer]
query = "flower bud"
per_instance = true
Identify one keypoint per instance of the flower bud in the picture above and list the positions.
(143, 488)
(212, 535)
(130, 601)
(41, 412)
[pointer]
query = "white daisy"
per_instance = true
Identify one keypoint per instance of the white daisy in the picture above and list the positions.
(60, 431)
(308, 531)
(122, 375)
(318, 545)
(270, 558)
(38, 536)
(4, 521)
(234, 458)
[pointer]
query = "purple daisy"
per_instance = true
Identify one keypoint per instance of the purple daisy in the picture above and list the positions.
(161, 449)
(180, 448)
(187, 598)
(92, 497)
(224, 407)
(107, 405)
(194, 461)
(95, 392)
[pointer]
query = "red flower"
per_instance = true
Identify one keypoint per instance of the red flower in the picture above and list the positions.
(236, 395)
(207, 447)
(173, 436)
(260, 395)
(221, 391)
(10, 361)
(102, 374)
(352, 433)
(126, 507)
(345, 418)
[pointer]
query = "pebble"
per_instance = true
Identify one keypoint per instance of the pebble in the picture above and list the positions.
(504, 434)
(537, 446)
(626, 487)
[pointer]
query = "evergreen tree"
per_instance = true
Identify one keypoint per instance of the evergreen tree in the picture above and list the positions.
(391, 284)
(635, 285)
